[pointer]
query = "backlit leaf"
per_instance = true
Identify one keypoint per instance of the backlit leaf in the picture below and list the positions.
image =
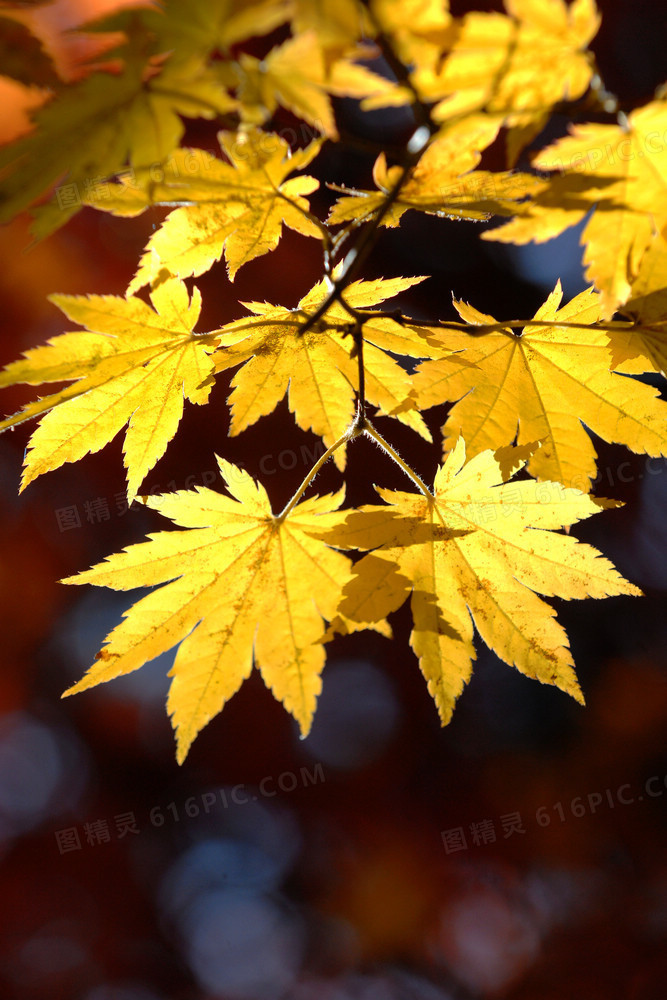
(479, 550)
(315, 368)
(239, 207)
(516, 67)
(135, 366)
(444, 182)
(240, 586)
(544, 383)
(132, 117)
(625, 167)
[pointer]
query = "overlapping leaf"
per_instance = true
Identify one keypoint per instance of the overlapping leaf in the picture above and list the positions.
(512, 68)
(239, 207)
(625, 167)
(480, 549)
(516, 68)
(299, 76)
(545, 383)
(338, 24)
(130, 117)
(418, 30)
(644, 347)
(315, 367)
(444, 182)
(239, 585)
(197, 28)
(134, 364)
(235, 584)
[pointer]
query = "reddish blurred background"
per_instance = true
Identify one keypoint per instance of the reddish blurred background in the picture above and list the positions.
(519, 853)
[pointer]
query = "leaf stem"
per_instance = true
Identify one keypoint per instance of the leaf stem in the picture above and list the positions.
(370, 430)
(349, 433)
(361, 390)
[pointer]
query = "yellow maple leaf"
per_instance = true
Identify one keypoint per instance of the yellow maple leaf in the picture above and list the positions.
(337, 24)
(514, 68)
(244, 584)
(135, 365)
(510, 69)
(239, 207)
(123, 117)
(625, 169)
(299, 76)
(200, 27)
(645, 346)
(444, 182)
(478, 550)
(316, 368)
(417, 29)
(544, 383)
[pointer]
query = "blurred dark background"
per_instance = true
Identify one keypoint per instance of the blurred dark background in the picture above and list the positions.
(519, 853)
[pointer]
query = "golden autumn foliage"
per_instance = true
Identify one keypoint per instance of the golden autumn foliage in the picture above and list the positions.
(238, 584)
(135, 367)
(546, 379)
(243, 583)
(466, 551)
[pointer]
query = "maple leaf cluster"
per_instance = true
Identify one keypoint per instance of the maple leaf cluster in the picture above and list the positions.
(239, 584)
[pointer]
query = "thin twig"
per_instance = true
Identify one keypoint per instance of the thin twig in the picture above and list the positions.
(479, 329)
(419, 140)
(358, 254)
